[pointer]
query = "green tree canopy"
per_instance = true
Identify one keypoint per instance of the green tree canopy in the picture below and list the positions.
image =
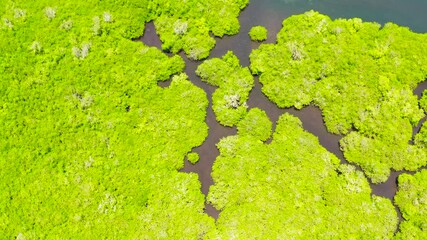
(360, 75)
(91, 145)
(234, 83)
(292, 188)
(258, 33)
(412, 201)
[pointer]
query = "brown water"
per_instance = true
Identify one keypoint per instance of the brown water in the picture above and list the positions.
(270, 13)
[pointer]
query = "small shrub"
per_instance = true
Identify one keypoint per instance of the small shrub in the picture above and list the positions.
(193, 157)
(258, 33)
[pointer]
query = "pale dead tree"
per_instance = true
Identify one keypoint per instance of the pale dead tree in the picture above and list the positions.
(109, 204)
(232, 100)
(180, 27)
(144, 50)
(195, 53)
(96, 26)
(296, 51)
(107, 17)
(296, 54)
(8, 23)
(21, 237)
(89, 163)
(36, 47)
(50, 12)
(86, 101)
(67, 25)
(83, 52)
(337, 31)
(76, 52)
(19, 13)
(322, 26)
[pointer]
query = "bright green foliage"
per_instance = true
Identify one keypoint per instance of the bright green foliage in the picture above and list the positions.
(421, 137)
(258, 33)
(360, 75)
(293, 188)
(412, 201)
(185, 24)
(181, 24)
(337, 64)
(193, 157)
(382, 140)
(90, 144)
(190, 35)
(234, 83)
(377, 156)
(423, 101)
(256, 124)
(76, 17)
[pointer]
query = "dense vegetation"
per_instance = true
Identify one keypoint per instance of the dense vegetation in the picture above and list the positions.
(412, 201)
(182, 25)
(292, 188)
(258, 33)
(90, 144)
(234, 83)
(186, 24)
(360, 75)
(289, 188)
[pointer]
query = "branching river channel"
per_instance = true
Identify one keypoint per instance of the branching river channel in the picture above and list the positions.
(270, 13)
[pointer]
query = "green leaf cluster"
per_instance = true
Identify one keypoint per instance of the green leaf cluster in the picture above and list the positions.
(186, 24)
(193, 157)
(256, 124)
(182, 25)
(234, 83)
(258, 33)
(360, 75)
(411, 198)
(292, 188)
(423, 101)
(381, 141)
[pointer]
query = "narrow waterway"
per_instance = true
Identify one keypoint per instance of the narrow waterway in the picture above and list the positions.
(270, 13)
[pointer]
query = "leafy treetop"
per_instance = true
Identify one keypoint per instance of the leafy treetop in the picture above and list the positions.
(411, 198)
(360, 75)
(292, 188)
(258, 33)
(234, 83)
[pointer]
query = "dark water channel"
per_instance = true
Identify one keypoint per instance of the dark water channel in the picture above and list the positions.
(270, 13)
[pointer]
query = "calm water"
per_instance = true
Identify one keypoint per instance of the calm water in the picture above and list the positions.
(270, 13)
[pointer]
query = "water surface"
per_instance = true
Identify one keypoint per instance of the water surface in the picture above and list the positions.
(270, 13)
